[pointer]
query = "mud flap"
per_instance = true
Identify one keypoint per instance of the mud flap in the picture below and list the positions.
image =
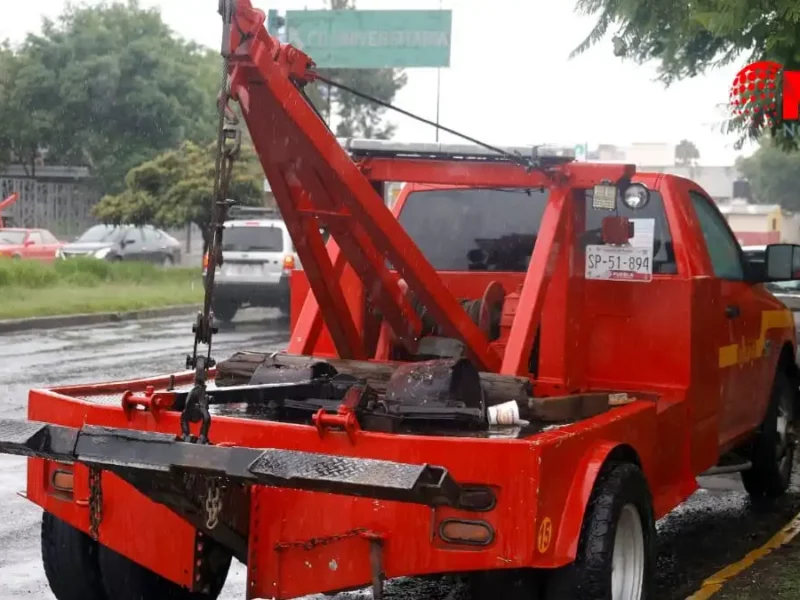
(137, 454)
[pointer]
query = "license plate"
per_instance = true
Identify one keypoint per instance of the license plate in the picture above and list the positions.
(619, 263)
(242, 270)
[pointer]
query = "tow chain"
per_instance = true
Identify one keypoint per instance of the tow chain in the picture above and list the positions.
(95, 501)
(229, 140)
(323, 541)
(213, 502)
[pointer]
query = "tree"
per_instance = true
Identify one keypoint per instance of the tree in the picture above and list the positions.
(357, 117)
(687, 38)
(774, 175)
(176, 188)
(108, 87)
(686, 154)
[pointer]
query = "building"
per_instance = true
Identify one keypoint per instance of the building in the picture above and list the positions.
(754, 224)
(717, 181)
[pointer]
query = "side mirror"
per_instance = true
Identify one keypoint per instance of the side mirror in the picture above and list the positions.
(782, 262)
(127, 242)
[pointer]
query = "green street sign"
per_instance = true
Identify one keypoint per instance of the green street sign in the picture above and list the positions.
(372, 39)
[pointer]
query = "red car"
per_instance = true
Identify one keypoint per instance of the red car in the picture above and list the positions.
(36, 244)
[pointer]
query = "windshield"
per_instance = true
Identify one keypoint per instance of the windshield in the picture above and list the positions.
(100, 233)
(476, 229)
(11, 238)
(253, 239)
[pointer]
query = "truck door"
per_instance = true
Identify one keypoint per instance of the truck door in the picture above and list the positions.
(738, 315)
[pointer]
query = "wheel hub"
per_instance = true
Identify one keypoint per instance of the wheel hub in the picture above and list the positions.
(628, 560)
(786, 438)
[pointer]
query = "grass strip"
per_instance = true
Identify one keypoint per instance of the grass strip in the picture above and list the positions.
(74, 286)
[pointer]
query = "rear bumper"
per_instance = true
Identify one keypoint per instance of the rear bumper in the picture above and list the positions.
(300, 506)
(253, 293)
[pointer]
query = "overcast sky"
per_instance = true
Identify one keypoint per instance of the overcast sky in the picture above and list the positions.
(510, 79)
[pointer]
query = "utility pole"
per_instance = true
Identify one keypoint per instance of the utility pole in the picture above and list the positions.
(438, 90)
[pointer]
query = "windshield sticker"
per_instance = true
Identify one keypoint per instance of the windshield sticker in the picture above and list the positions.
(627, 262)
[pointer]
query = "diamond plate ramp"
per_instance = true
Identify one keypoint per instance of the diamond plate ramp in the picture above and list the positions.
(323, 469)
(35, 439)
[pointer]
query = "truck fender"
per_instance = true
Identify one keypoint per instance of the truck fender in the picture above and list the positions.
(569, 529)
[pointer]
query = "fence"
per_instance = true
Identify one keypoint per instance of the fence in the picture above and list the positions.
(59, 199)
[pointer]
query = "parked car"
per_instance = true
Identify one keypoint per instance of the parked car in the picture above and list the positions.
(125, 242)
(35, 244)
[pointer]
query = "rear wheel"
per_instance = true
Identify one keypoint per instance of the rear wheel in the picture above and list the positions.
(70, 559)
(772, 450)
(616, 552)
(225, 310)
(126, 580)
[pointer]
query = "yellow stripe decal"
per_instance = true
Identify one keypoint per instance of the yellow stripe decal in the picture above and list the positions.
(746, 351)
(714, 583)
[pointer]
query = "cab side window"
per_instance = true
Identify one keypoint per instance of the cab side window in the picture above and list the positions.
(723, 249)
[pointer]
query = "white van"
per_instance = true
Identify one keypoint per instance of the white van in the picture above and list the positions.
(257, 258)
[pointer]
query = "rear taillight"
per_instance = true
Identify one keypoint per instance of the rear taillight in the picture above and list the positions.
(288, 262)
(205, 262)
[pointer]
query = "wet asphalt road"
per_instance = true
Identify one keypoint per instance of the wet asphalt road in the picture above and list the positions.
(718, 525)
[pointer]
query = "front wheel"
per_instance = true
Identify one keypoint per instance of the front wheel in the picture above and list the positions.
(772, 450)
(616, 550)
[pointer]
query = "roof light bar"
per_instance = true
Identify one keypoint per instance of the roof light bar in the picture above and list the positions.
(251, 212)
(364, 148)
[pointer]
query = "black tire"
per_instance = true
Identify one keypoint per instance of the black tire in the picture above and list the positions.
(167, 261)
(225, 310)
(504, 584)
(772, 450)
(70, 559)
(618, 487)
(126, 580)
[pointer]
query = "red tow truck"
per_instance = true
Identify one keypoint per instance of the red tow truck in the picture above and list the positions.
(511, 377)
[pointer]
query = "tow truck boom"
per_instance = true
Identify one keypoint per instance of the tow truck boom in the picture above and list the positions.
(315, 182)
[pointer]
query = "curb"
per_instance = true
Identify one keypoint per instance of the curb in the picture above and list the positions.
(59, 321)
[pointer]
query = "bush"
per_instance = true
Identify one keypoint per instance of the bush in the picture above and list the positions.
(88, 272)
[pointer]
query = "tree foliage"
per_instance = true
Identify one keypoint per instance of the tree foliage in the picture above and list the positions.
(774, 175)
(357, 117)
(106, 86)
(176, 188)
(688, 38)
(686, 154)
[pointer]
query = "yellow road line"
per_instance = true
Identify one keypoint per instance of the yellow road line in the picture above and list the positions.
(714, 583)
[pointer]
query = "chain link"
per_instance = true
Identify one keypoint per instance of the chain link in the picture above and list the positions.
(213, 503)
(323, 541)
(95, 501)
